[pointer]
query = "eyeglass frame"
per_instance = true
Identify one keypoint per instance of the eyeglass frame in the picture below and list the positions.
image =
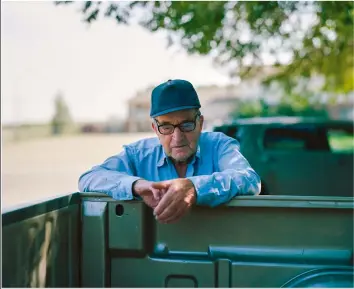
(198, 114)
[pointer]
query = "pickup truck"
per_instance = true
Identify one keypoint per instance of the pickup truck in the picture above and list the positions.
(91, 240)
(297, 155)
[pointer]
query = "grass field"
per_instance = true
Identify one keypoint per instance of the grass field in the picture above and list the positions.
(41, 168)
(341, 143)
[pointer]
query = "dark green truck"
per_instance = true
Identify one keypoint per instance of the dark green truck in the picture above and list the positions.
(289, 153)
(91, 240)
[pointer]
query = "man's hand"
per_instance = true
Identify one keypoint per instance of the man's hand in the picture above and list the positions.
(150, 195)
(179, 197)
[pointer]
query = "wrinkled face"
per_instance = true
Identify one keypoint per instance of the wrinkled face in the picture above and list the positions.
(182, 143)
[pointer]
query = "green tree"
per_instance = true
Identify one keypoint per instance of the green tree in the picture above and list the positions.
(291, 105)
(62, 118)
(248, 108)
(301, 38)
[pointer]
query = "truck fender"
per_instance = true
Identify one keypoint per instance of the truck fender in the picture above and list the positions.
(323, 278)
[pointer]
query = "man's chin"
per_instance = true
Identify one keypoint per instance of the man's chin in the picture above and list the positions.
(181, 158)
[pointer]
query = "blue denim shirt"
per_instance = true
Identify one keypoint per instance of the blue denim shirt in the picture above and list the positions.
(218, 170)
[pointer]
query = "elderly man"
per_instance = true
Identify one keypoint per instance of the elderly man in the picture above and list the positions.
(182, 166)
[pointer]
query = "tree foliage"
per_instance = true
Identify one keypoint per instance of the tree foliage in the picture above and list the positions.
(298, 38)
(62, 117)
(287, 107)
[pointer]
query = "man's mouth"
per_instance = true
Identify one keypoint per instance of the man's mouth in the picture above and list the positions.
(177, 147)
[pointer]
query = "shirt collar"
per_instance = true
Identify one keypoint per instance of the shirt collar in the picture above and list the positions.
(163, 157)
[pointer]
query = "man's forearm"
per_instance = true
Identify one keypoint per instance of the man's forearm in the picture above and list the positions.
(115, 184)
(221, 187)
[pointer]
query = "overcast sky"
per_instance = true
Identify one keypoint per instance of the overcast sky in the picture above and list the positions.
(46, 48)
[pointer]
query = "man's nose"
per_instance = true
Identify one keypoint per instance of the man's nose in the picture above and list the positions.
(178, 134)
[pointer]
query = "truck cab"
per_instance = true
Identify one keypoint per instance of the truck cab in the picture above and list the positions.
(297, 155)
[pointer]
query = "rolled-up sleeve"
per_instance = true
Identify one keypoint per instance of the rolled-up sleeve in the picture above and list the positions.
(234, 177)
(114, 177)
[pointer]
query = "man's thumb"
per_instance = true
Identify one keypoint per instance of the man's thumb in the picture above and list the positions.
(160, 185)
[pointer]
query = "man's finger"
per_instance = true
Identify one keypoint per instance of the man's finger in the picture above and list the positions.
(169, 211)
(162, 193)
(156, 193)
(164, 203)
(151, 202)
(177, 214)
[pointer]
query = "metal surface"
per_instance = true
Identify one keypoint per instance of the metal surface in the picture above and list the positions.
(323, 278)
(263, 241)
(250, 242)
(256, 201)
(131, 222)
(94, 234)
(41, 245)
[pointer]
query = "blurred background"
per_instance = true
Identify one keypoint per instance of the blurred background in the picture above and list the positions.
(77, 76)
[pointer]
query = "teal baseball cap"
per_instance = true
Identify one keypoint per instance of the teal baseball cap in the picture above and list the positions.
(173, 95)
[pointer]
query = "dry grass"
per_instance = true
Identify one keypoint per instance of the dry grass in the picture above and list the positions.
(41, 168)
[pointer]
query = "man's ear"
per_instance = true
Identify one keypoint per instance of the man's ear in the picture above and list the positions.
(153, 126)
(201, 120)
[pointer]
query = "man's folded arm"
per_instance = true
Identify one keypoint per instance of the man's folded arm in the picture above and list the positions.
(235, 177)
(115, 177)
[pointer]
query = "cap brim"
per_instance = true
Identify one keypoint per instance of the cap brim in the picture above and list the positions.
(174, 109)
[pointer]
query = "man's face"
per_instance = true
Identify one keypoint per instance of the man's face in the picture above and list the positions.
(179, 145)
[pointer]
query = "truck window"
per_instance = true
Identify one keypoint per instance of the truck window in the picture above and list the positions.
(299, 138)
(341, 139)
(230, 131)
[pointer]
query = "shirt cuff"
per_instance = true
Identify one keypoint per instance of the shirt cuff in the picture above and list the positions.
(204, 195)
(124, 189)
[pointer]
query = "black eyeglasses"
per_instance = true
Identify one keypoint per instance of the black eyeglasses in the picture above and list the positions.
(187, 126)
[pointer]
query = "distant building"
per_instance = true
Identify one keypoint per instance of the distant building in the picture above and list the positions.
(217, 101)
(138, 111)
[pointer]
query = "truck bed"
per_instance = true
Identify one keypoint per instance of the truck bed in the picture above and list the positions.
(91, 240)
